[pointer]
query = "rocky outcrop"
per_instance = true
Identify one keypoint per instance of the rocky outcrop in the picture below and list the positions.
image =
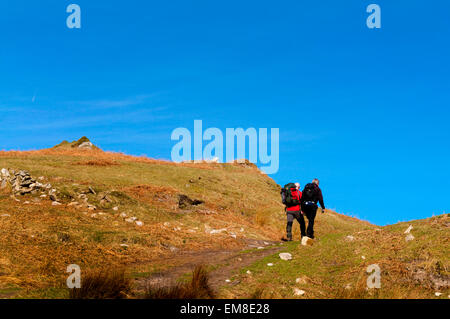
(82, 144)
(22, 183)
(86, 145)
(186, 202)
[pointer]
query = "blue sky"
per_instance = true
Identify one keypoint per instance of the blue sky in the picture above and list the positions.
(366, 111)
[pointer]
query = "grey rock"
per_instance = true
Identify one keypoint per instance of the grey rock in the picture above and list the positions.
(86, 145)
(24, 191)
(4, 172)
(285, 256)
(26, 183)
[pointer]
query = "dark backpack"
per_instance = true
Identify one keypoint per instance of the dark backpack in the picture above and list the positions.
(286, 195)
(309, 194)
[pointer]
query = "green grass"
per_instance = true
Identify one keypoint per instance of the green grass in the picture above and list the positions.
(333, 263)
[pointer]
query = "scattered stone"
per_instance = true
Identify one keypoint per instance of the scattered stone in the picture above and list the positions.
(248, 272)
(285, 256)
(139, 223)
(407, 231)
(438, 294)
(5, 215)
(173, 249)
(72, 204)
(123, 215)
(298, 292)
(409, 237)
(306, 241)
(227, 280)
(233, 235)
(302, 280)
(55, 203)
(270, 264)
(348, 286)
(363, 257)
(350, 238)
(209, 161)
(115, 209)
(25, 191)
(260, 247)
(218, 231)
(5, 173)
(131, 219)
(242, 229)
(124, 246)
(104, 199)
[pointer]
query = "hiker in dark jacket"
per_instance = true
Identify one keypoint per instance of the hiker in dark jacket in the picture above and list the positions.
(293, 212)
(310, 196)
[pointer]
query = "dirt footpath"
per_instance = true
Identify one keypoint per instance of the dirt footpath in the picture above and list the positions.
(225, 263)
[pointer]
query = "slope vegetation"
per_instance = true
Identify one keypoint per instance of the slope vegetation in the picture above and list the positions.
(158, 220)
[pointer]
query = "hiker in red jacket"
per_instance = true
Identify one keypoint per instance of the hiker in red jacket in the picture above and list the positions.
(294, 212)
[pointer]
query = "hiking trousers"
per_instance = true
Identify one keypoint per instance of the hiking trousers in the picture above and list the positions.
(290, 220)
(310, 211)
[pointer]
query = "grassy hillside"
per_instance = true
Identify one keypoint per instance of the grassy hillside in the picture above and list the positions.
(335, 266)
(149, 216)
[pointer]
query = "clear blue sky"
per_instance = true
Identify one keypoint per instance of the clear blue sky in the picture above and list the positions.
(365, 111)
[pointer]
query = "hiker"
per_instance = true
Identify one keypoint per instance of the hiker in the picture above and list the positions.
(291, 197)
(310, 196)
